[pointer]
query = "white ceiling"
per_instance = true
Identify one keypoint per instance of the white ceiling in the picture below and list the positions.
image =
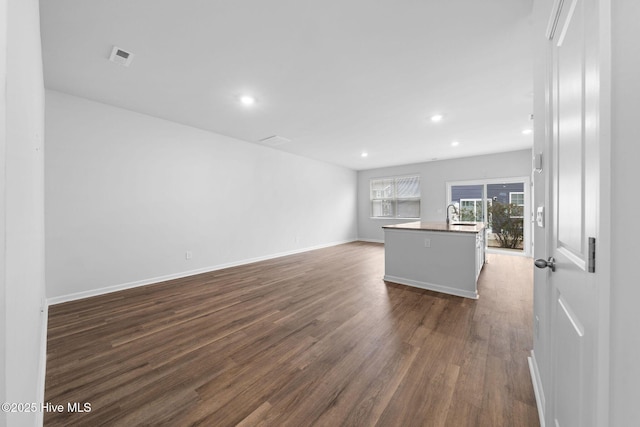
(336, 77)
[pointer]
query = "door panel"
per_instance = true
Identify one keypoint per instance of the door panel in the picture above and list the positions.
(570, 132)
(506, 224)
(574, 309)
(568, 378)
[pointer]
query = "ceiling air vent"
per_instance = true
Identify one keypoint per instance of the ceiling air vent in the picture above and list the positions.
(120, 56)
(274, 140)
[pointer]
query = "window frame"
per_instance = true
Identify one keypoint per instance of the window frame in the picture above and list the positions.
(511, 193)
(394, 199)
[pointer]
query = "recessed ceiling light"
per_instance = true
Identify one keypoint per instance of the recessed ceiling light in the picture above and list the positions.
(455, 143)
(364, 154)
(247, 100)
(527, 132)
(437, 117)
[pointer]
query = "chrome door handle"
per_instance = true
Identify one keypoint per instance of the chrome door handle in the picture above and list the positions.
(551, 263)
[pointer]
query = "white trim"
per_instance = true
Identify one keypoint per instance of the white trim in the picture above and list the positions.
(432, 287)
(150, 281)
(510, 252)
(371, 240)
(393, 217)
(603, 271)
(553, 19)
(42, 364)
(537, 386)
(404, 175)
(480, 181)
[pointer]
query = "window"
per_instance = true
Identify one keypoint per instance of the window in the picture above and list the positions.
(517, 198)
(471, 210)
(395, 197)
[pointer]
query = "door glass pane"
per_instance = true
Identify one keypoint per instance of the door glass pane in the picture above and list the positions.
(505, 205)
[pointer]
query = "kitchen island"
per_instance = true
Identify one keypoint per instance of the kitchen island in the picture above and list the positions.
(436, 256)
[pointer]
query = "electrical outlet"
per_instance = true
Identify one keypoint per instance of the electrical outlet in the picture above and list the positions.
(188, 255)
(427, 243)
(540, 216)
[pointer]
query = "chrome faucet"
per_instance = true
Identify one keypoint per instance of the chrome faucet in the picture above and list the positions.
(455, 210)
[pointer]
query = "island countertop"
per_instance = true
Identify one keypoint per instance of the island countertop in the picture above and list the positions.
(456, 227)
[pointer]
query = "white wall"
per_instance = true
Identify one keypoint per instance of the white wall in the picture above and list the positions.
(625, 227)
(127, 195)
(433, 178)
(22, 220)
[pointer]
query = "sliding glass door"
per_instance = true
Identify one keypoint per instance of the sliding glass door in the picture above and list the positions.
(502, 205)
(505, 205)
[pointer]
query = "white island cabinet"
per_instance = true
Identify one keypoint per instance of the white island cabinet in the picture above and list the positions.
(436, 256)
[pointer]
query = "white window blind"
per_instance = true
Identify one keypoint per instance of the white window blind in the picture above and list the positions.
(395, 197)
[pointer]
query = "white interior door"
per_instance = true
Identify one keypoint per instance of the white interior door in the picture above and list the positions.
(574, 108)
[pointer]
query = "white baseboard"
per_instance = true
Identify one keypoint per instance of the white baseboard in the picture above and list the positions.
(108, 289)
(371, 240)
(537, 387)
(432, 287)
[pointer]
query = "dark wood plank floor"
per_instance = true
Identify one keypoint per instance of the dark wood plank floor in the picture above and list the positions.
(310, 339)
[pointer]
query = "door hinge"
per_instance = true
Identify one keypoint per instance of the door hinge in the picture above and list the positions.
(592, 255)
